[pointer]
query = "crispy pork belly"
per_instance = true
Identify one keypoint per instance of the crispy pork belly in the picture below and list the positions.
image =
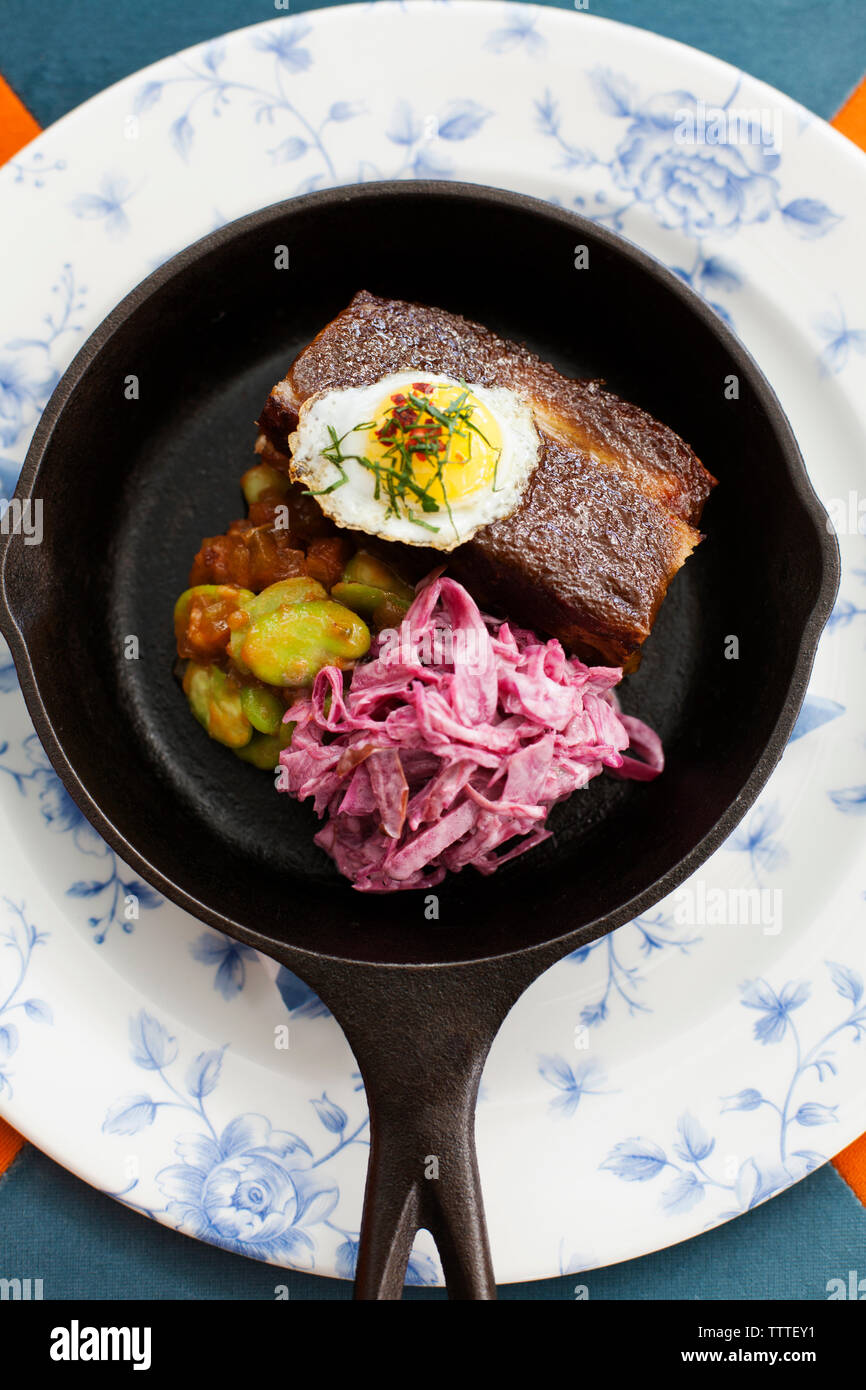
(610, 513)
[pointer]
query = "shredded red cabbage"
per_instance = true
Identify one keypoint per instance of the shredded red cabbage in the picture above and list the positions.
(452, 741)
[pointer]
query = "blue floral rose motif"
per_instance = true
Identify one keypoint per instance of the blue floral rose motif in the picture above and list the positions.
(703, 171)
(252, 1190)
(696, 187)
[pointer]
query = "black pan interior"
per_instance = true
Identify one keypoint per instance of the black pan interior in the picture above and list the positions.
(129, 487)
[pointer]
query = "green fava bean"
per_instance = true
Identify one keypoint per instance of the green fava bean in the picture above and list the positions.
(263, 750)
(375, 605)
(290, 645)
(263, 708)
(261, 479)
(212, 593)
(390, 612)
(364, 568)
(216, 703)
(361, 598)
(286, 591)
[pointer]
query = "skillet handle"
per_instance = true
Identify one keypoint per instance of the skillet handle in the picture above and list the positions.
(423, 1172)
(420, 1036)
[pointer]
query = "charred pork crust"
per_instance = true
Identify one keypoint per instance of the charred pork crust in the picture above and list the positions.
(612, 508)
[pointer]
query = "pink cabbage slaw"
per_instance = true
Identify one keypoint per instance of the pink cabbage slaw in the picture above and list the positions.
(455, 738)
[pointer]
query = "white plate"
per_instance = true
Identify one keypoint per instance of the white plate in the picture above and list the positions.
(641, 1091)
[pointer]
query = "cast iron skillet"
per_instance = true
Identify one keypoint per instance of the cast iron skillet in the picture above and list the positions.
(130, 486)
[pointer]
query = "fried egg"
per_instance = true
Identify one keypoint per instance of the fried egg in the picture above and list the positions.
(421, 459)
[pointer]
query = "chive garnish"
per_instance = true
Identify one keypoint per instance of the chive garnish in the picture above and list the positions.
(414, 427)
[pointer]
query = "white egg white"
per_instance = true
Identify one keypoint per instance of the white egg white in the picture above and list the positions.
(353, 503)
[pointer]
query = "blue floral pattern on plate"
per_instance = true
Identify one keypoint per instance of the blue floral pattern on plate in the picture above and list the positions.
(269, 1159)
(19, 938)
(119, 899)
(698, 189)
(29, 370)
(794, 1109)
(247, 1187)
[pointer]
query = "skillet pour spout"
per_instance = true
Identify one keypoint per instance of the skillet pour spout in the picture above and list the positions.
(128, 488)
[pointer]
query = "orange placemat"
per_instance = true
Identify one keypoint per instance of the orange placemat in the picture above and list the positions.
(17, 126)
(10, 1142)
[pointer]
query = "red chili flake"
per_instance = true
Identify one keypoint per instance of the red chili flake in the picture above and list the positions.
(399, 399)
(441, 446)
(421, 386)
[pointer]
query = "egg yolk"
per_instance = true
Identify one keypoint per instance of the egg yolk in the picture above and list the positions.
(440, 435)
